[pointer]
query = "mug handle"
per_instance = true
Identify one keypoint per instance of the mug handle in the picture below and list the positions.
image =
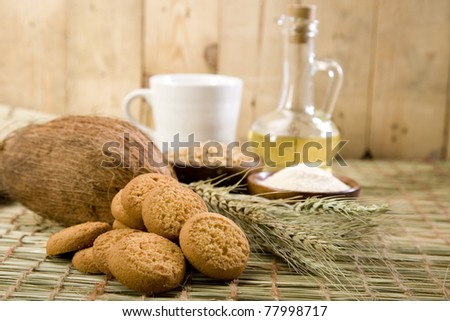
(126, 104)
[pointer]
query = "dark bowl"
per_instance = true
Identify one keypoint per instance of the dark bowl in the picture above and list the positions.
(255, 188)
(222, 175)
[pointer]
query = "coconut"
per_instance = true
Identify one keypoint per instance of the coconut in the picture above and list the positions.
(69, 169)
(3, 194)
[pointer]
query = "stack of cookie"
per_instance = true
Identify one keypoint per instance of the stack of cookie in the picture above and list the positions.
(158, 224)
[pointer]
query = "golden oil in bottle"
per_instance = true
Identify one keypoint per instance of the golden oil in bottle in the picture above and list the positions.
(283, 151)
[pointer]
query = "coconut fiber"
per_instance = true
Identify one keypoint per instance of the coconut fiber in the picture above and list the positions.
(69, 169)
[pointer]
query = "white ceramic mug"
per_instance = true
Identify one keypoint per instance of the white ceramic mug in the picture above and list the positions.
(206, 105)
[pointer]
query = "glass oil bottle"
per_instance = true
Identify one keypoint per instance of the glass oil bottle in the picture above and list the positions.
(297, 131)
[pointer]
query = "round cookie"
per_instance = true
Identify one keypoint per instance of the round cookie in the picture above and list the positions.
(166, 209)
(134, 193)
(75, 237)
(117, 209)
(215, 246)
(147, 263)
(103, 244)
(83, 261)
(118, 225)
(122, 215)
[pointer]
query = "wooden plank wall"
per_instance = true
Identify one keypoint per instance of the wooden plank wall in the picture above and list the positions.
(84, 56)
(411, 79)
(103, 60)
(33, 54)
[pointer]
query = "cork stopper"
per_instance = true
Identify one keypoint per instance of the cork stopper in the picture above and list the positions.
(299, 11)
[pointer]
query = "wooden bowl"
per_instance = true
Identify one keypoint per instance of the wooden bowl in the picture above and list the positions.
(256, 188)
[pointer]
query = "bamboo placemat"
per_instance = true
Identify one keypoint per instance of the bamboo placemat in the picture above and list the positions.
(12, 118)
(414, 265)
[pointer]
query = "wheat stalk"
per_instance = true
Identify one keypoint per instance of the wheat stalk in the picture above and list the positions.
(309, 235)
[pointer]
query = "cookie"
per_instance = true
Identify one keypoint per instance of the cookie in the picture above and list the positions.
(118, 225)
(75, 237)
(103, 244)
(120, 214)
(166, 209)
(134, 193)
(117, 209)
(147, 263)
(83, 261)
(215, 246)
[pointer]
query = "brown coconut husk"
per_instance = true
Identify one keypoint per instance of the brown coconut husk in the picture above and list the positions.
(69, 169)
(4, 197)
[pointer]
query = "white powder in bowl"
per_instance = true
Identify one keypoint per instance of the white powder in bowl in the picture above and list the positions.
(303, 178)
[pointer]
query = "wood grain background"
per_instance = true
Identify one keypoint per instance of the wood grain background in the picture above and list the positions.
(84, 56)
